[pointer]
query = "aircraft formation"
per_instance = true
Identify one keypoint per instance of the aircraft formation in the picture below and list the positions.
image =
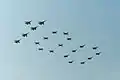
(52, 51)
(32, 28)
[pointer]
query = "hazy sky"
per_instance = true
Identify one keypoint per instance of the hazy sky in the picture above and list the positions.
(90, 22)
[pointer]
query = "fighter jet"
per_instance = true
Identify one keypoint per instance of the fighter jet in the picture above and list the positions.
(70, 61)
(17, 41)
(42, 22)
(34, 28)
(89, 58)
(98, 53)
(83, 62)
(82, 46)
(69, 38)
(45, 38)
(74, 50)
(51, 51)
(25, 34)
(28, 22)
(41, 49)
(94, 48)
(65, 33)
(60, 45)
(54, 32)
(65, 56)
(37, 43)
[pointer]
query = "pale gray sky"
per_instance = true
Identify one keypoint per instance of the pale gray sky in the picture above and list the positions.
(91, 22)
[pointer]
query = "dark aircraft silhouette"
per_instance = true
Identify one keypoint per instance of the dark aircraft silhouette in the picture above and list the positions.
(34, 28)
(74, 50)
(71, 61)
(69, 38)
(28, 22)
(54, 32)
(51, 51)
(98, 53)
(17, 41)
(82, 62)
(45, 38)
(25, 34)
(37, 43)
(65, 33)
(41, 49)
(82, 46)
(60, 45)
(65, 56)
(94, 48)
(89, 58)
(42, 22)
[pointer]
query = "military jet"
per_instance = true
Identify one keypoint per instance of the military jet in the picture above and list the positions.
(42, 22)
(51, 51)
(65, 33)
(45, 38)
(70, 61)
(74, 50)
(28, 22)
(41, 49)
(34, 28)
(89, 58)
(69, 38)
(98, 53)
(54, 32)
(17, 41)
(94, 48)
(83, 62)
(60, 45)
(82, 46)
(25, 34)
(37, 43)
(65, 56)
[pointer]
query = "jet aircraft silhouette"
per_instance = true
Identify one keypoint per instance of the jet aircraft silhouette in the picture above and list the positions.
(94, 48)
(51, 51)
(82, 46)
(65, 33)
(41, 49)
(28, 22)
(60, 45)
(42, 22)
(69, 38)
(45, 38)
(25, 34)
(65, 56)
(83, 62)
(70, 61)
(37, 43)
(54, 32)
(34, 28)
(98, 53)
(89, 58)
(17, 41)
(74, 50)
